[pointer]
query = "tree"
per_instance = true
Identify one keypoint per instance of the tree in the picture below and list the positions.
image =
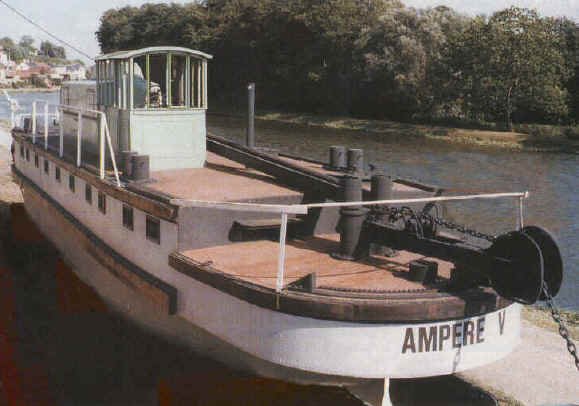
(26, 45)
(512, 63)
(48, 49)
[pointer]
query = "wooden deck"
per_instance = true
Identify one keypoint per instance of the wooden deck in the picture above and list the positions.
(220, 180)
(256, 262)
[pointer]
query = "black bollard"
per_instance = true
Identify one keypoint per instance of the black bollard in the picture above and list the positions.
(356, 161)
(140, 167)
(127, 161)
(381, 189)
(251, 115)
(351, 221)
(338, 157)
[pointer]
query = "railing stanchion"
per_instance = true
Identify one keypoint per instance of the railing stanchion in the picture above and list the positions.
(46, 123)
(34, 122)
(281, 258)
(78, 139)
(102, 146)
(61, 128)
(112, 152)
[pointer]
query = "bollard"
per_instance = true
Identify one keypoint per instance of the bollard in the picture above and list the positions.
(381, 189)
(140, 167)
(251, 115)
(127, 162)
(351, 221)
(356, 161)
(338, 157)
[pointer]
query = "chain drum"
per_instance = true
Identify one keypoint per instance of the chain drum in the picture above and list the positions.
(552, 260)
(517, 270)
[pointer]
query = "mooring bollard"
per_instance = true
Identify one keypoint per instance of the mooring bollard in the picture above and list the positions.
(351, 221)
(338, 157)
(356, 161)
(381, 189)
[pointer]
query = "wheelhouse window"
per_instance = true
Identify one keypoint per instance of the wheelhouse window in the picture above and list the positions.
(162, 80)
(178, 79)
(158, 96)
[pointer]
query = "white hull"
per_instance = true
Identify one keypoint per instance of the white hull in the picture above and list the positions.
(244, 335)
(285, 347)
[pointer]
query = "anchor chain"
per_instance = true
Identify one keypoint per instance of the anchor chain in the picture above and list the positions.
(406, 213)
(563, 332)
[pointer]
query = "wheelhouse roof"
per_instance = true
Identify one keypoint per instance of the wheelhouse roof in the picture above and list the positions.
(152, 50)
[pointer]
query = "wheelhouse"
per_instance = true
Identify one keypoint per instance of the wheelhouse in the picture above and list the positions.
(155, 101)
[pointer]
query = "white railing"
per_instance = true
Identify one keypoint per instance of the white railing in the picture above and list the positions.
(14, 107)
(285, 210)
(104, 134)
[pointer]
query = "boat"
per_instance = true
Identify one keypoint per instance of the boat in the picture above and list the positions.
(307, 271)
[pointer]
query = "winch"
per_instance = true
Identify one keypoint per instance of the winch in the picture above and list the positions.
(519, 265)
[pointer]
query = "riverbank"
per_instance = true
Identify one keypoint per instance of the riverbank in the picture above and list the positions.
(516, 141)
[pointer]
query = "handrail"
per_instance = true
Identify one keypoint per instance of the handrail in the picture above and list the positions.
(284, 210)
(104, 136)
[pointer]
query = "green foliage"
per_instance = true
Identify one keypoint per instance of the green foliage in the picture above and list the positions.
(50, 50)
(373, 58)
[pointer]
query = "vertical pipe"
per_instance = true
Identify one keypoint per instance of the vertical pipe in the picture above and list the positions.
(251, 115)
(34, 122)
(520, 217)
(78, 139)
(281, 257)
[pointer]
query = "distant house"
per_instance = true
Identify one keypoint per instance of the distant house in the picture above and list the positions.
(76, 72)
(4, 57)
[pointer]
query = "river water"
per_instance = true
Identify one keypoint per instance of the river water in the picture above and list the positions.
(551, 179)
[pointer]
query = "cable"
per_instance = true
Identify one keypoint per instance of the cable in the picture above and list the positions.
(46, 31)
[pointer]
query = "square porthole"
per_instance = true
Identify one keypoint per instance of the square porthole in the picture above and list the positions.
(27, 154)
(128, 217)
(102, 202)
(153, 229)
(36, 161)
(88, 193)
(57, 174)
(46, 166)
(71, 183)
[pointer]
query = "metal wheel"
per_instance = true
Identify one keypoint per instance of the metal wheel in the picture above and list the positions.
(552, 260)
(517, 273)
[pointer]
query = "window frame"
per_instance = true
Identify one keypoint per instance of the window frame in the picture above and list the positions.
(152, 224)
(128, 219)
(102, 202)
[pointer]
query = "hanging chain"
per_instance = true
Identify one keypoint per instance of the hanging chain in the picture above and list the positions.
(563, 332)
(406, 213)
